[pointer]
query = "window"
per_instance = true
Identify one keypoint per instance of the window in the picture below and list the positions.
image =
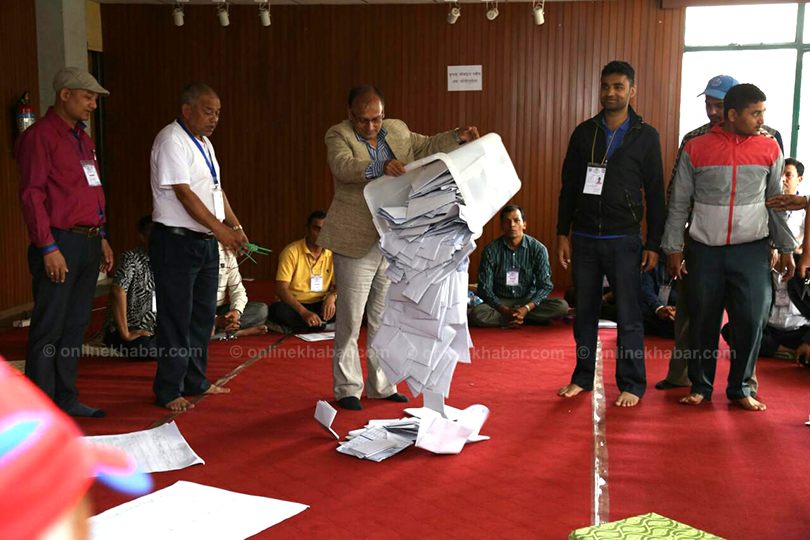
(761, 44)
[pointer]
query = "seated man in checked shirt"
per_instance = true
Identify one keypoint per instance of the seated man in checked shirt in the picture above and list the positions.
(514, 278)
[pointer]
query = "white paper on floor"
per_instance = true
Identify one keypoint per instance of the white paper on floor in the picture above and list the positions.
(189, 510)
(155, 450)
(325, 415)
(427, 220)
(442, 436)
(319, 336)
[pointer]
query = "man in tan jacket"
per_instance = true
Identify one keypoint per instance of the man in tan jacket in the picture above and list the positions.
(360, 149)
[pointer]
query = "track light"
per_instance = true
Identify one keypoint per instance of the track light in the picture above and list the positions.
(539, 12)
(178, 14)
(492, 12)
(454, 13)
(264, 12)
(222, 13)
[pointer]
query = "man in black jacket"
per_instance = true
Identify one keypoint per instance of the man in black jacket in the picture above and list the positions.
(611, 159)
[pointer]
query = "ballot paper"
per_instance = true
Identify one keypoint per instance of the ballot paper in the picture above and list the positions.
(189, 510)
(325, 415)
(374, 443)
(155, 450)
(442, 436)
(427, 220)
(321, 336)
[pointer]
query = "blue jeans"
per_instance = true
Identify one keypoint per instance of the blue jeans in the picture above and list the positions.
(620, 260)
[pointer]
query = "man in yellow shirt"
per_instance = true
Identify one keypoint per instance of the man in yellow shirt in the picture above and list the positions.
(305, 284)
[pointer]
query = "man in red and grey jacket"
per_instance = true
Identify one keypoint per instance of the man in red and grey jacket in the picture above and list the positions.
(63, 206)
(728, 174)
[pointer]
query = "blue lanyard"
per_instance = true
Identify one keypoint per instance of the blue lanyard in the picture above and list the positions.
(200, 148)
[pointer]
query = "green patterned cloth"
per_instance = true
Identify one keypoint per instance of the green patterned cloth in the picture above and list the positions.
(641, 528)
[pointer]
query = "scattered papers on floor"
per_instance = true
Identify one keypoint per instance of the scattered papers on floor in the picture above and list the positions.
(428, 429)
(189, 510)
(325, 415)
(427, 220)
(442, 436)
(376, 443)
(321, 336)
(155, 450)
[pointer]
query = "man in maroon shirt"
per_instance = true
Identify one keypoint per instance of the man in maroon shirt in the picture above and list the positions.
(63, 206)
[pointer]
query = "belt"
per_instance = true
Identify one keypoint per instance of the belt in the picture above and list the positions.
(90, 232)
(182, 231)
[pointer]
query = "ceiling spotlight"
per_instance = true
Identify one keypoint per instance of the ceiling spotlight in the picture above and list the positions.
(264, 12)
(222, 13)
(454, 13)
(178, 15)
(492, 13)
(538, 12)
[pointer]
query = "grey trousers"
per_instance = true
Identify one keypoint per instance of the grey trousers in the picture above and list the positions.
(679, 361)
(362, 284)
(550, 308)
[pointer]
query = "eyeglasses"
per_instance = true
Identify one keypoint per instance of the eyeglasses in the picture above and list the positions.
(368, 121)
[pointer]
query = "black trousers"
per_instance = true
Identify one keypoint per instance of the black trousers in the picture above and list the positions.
(773, 337)
(281, 313)
(653, 326)
(186, 278)
(620, 260)
(61, 315)
(142, 348)
(738, 278)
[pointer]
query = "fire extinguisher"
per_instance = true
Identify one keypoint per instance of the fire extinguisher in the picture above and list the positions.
(25, 113)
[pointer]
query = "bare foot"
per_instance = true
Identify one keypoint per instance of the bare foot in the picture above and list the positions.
(214, 389)
(692, 399)
(179, 405)
(255, 331)
(570, 391)
(750, 404)
(626, 399)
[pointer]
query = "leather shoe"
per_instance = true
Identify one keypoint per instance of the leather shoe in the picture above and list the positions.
(399, 398)
(352, 403)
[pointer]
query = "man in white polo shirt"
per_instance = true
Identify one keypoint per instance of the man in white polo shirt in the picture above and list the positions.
(191, 213)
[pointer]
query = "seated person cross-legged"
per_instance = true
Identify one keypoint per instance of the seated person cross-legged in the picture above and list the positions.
(236, 317)
(658, 297)
(129, 326)
(514, 279)
(305, 283)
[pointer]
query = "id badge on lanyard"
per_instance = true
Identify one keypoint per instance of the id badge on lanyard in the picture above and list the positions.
(316, 283)
(219, 202)
(90, 172)
(513, 278)
(594, 179)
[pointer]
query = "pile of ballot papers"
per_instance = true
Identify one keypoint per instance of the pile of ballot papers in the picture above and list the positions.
(424, 329)
(380, 439)
(427, 220)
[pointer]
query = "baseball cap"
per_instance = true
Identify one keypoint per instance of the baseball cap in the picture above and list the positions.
(75, 78)
(719, 86)
(45, 465)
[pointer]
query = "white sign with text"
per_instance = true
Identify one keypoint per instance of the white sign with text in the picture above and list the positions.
(464, 78)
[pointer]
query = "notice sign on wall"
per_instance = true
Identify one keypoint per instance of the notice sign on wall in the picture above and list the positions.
(464, 78)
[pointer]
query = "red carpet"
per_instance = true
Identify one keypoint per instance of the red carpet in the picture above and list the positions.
(733, 473)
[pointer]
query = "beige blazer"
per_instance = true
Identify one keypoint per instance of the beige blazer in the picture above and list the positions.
(348, 229)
